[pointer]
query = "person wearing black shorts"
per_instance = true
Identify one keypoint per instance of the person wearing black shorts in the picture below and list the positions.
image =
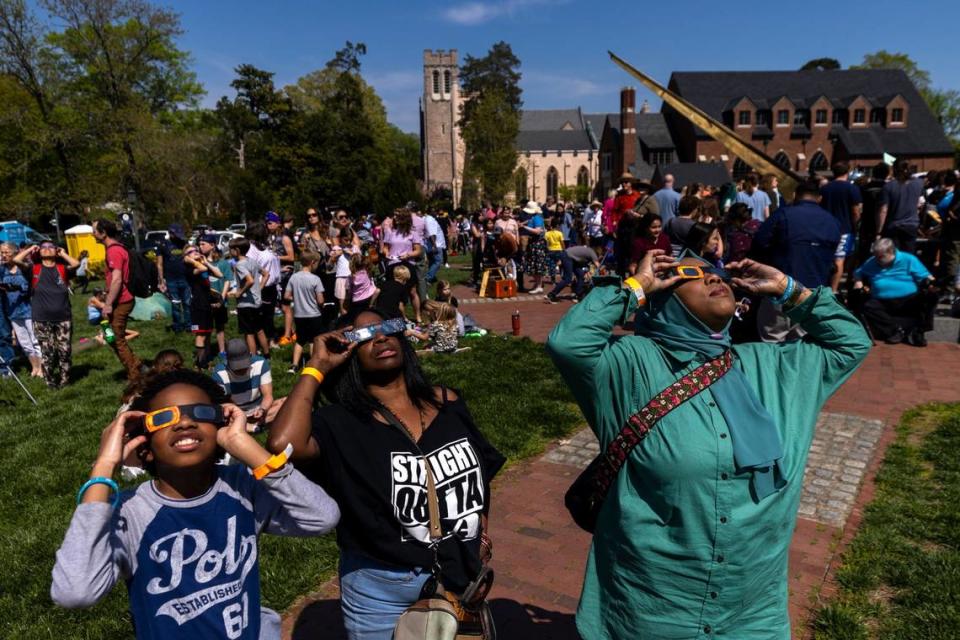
(246, 290)
(305, 291)
(198, 274)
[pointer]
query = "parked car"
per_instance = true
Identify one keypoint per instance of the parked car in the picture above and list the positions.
(156, 237)
(18, 233)
(239, 227)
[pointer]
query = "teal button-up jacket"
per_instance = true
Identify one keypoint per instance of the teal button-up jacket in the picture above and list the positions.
(681, 549)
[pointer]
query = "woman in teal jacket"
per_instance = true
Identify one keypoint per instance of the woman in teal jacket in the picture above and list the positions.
(693, 536)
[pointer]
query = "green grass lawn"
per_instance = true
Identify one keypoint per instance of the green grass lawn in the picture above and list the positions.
(900, 580)
(512, 388)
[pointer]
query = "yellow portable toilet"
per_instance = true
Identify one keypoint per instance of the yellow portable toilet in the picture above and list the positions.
(81, 237)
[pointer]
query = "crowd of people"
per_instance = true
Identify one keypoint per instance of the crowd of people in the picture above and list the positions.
(711, 275)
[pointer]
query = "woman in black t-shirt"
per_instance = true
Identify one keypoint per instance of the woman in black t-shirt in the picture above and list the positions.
(376, 471)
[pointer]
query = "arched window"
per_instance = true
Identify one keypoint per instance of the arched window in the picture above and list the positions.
(552, 180)
(740, 169)
(436, 82)
(520, 184)
(782, 160)
(446, 82)
(819, 162)
(583, 177)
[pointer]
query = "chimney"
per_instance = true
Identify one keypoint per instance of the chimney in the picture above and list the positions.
(645, 107)
(628, 128)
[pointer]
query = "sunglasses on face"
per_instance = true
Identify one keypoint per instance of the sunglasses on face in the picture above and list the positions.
(169, 416)
(390, 327)
(696, 272)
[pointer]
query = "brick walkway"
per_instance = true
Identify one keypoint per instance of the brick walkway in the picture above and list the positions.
(540, 553)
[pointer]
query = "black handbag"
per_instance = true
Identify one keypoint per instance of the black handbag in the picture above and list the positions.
(584, 499)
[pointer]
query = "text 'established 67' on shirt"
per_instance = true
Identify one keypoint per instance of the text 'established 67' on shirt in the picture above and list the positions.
(191, 567)
(244, 389)
(378, 477)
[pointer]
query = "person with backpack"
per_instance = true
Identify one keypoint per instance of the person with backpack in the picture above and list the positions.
(120, 300)
(50, 267)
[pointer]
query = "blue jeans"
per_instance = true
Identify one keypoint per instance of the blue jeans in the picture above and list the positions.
(373, 595)
(436, 261)
(179, 293)
(6, 342)
(570, 271)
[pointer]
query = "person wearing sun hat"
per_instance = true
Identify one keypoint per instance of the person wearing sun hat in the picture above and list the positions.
(535, 258)
(693, 536)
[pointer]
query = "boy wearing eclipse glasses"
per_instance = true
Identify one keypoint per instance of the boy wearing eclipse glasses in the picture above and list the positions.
(185, 543)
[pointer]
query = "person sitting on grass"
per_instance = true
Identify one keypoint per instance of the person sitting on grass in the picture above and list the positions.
(185, 543)
(442, 331)
(95, 315)
(395, 293)
(305, 290)
(248, 382)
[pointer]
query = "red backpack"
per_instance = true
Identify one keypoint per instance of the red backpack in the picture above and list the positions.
(37, 268)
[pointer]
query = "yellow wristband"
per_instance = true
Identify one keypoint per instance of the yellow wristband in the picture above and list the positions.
(637, 289)
(316, 374)
(274, 463)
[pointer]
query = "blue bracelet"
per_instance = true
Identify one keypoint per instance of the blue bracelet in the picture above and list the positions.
(782, 300)
(100, 480)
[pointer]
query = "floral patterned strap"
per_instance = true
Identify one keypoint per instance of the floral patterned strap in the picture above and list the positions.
(641, 423)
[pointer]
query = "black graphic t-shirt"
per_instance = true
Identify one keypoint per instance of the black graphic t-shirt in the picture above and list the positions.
(377, 477)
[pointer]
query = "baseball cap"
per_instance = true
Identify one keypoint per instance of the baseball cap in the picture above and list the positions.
(271, 217)
(176, 230)
(209, 238)
(238, 355)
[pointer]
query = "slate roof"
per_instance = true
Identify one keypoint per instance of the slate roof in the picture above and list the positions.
(684, 173)
(550, 119)
(651, 130)
(577, 140)
(712, 91)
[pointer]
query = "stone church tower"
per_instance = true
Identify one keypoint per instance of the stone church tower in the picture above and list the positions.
(440, 140)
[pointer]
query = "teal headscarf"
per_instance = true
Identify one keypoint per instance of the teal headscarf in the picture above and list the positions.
(756, 442)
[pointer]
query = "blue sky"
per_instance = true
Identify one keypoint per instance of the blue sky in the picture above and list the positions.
(562, 44)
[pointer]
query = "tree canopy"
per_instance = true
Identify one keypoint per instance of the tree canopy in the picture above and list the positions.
(490, 122)
(101, 105)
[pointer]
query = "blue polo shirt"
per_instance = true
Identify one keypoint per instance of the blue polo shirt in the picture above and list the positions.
(899, 280)
(801, 240)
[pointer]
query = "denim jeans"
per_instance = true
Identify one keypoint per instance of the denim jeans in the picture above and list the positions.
(436, 261)
(373, 595)
(6, 342)
(569, 271)
(179, 293)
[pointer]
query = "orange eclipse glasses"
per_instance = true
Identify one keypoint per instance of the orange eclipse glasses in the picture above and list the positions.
(169, 416)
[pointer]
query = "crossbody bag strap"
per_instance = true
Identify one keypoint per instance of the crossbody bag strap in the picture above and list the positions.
(433, 503)
(640, 424)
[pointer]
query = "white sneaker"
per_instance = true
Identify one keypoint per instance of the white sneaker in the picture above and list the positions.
(534, 292)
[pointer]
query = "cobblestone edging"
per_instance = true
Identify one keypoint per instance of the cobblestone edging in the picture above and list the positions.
(843, 446)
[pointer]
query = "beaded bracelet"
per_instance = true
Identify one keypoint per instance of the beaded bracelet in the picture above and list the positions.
(787, 292)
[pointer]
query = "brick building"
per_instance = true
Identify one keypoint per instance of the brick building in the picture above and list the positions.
(806, 120)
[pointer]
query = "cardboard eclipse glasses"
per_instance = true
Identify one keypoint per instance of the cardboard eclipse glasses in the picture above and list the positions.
(387, 328)
(696, 272)
(169, 416)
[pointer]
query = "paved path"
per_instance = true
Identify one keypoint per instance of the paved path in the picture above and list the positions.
(540, 553)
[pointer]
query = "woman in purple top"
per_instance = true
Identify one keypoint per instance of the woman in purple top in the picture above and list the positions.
(402, 243)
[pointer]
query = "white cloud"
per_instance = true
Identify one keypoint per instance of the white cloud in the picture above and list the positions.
(540, 84)
(474, 13)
